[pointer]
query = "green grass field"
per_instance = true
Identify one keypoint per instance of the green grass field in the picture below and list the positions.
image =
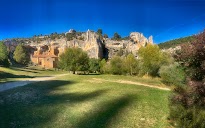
(16, 74)
(85, 101)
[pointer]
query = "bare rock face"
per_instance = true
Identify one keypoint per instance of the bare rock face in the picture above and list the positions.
(150, 40)
(140, 38)
(124, 47)
(95, 46)
(91, 44)
(71, 31)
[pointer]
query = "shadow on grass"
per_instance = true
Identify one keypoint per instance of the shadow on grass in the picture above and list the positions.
(105, 113)
(38, 69)
(24, 70)
(4, 75)
(36, 105)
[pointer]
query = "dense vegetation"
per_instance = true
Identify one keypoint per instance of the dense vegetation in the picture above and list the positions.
(21, 55)
(74, 59)
(187, 103)
(3, 55)
(176, 42)
(151, 58)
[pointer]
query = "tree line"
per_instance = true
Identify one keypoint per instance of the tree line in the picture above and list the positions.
(150, 59)
(20, 55)
(176, 42)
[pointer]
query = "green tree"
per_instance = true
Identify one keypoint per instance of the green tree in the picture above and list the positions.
(3, 55)
(105, 36)
(74, 59)
(99, 31)
(94, 65)
(131, 64)
(20, 55)
(116, 36)
(70, 36)
(103, 66)
(151, 59)
(116, 65)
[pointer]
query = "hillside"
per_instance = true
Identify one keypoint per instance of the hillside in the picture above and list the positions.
(176, 42)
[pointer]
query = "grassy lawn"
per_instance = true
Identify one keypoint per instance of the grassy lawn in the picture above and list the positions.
(85, 101)
(16, 74)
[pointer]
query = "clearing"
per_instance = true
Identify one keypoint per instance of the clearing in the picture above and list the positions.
(86, 101)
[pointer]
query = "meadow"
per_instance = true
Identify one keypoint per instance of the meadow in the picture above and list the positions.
(85, 101)
(22, 73)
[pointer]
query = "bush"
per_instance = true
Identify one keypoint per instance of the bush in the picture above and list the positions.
(131, 64)
(187, 104)
(172, 74)
(4, 55)
(74, 59)
(151, 59)
(187, 118)
(94, 65)
(116, 65)
(104, 67)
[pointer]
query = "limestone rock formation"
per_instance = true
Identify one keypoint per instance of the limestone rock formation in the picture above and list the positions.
(90, 42)
(150, 40)
(140, 38)
(93, 45)
(136, 41)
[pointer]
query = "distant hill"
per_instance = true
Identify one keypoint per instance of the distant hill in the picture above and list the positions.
(176, 42)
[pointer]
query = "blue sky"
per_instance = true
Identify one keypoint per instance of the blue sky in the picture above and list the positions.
(164, 19)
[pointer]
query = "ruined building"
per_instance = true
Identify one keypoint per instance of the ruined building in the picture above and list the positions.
(46, 56)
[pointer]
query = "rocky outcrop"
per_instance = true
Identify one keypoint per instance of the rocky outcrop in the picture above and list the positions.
(93, 44)
(172, 50)
(88, 41)
(140, 38)
(124, 47)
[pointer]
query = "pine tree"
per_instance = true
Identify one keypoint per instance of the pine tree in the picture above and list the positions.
(20, 55)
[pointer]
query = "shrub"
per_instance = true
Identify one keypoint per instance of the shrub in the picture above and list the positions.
(3, 55)
(104, 67)
(94, 65)
(151, 59)
(187, 104)
(172, 74)
(131, 65)
(74, 59)
(116, 65)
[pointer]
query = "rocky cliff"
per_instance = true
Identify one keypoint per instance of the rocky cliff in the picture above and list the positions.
(92, 43)
(123, 47)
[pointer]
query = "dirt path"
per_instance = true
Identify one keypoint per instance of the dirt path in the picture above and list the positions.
(10, 85)
(131, 82)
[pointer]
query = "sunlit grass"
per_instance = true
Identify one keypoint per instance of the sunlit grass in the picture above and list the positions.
(16, 74)
(83, 101)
